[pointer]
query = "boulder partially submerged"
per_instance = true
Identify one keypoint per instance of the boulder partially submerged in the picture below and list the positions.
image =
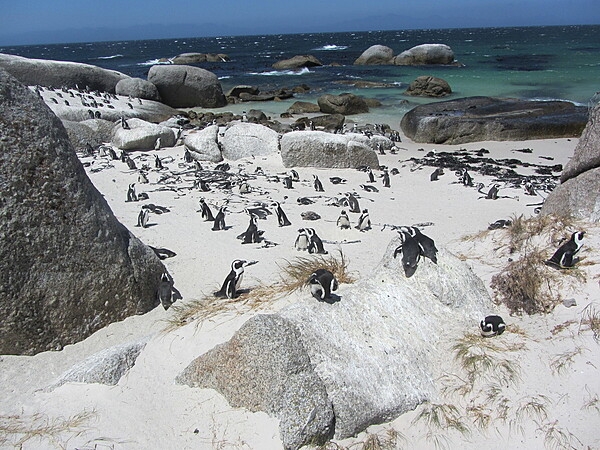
(346, 104)
(376, 55)
(297, 62)
(428, 86)
(473, 119)
(425, 54)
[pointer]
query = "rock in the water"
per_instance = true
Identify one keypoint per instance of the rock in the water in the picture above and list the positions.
(58, 74)
(138, 88)
(105, 367)
(265, 367)
(183, 86)
(242, 89)
(303, 108)
(142, 135)
(425, 54)
(249, 139)
(297, 62)
(194, 58)
(473, 119)
(68, 266)
(346, 104)
(321, 149)
(376, 55)
(203, 145)
(428, 86)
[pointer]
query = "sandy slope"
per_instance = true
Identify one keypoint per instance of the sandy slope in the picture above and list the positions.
(146, 410)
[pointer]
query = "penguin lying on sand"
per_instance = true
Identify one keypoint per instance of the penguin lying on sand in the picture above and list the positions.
(492, 326)
(322, 283)
(563, 257)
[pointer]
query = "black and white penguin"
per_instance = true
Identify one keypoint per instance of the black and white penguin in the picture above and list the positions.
(157, 162)
(187, 156)
(165, 291)
(352, 203)
(157, 144)
(370, 175)
(112, 154)
(386, 178)
(343, 221)
(294, 175)
(435, 176)
(232, 282)
(287, 182)
(143, 216)
(124, 123)
(364, 222)
(493, 192)
(206, 212)
(411, 252)
(203, 186)
(529, 189)
(337, 180)
(251, 235)
(130, 163)
(369, 188)
(244, 187)
(131, 196)
(219, 223)
(492, 326)
(322, 282)
(142, 178)
(315, 244)
(426, 244)
(302, 240)
(465, 178)
(281, 217)
(317, 184)
(563, 257)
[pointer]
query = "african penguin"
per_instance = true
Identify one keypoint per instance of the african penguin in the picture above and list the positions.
(251, 235)
(411, 253)
(302, 242)
(142, 178)
(206, 212)
(317, 184)
(294, 175)
(343, 221)
(492, 326)
(315, 244)
(142, 220)
(435, 176)
(465, 178)
(352, 203)
(426, 244)
(322, 283)
(165, 291)
(371, 176)
(157, 162)
(386, 178)
(232, 282)
(187, 156)
(157, 144)
(219, 222)
(131, 196)
(281, 217)
(287, 182)
(364, 222)
(130, 163)
(563, 257)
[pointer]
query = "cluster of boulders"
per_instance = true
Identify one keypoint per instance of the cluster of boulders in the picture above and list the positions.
(419, 55)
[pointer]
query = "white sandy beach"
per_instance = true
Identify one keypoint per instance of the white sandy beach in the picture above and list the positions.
(147, 410)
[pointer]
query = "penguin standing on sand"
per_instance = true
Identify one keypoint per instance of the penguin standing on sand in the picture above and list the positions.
(219, 222)
(435, 176)
(343, 221)
(317, 184)
(206, 212)
(492, 326)
(302, 241)
(143, 216)
(315, 244)
(322, 282)
(294, 175)
(232, 282)
(465, 178)
(157, 162)
(251, 235)
(364, 222)
(352, 203)
(187, 156)
(371, 176)
(287, 182)
(131, 195)
(563, 257)
(130, 163)
(142, 178)
(386, 178)
(281, 217)
(411, 253)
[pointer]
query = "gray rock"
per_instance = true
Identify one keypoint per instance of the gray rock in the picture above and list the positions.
(376, 55)
(68, 267)
(256, 116)
(321, 149)
(203, 144)
(297, 62)
(183, 86)
(58, 74)
(105, 367)
(303, 108)
(374, 142)
(245, 89)
(265, 367)
(586, 155)
(474, 119)
(425, 54)
(93, 131)
(428, 86)
(578, 197)
(141, 135)
(346, 104)
(195, 58)
(137, 88)
(243, 139)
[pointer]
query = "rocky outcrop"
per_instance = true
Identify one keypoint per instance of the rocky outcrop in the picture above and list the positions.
(93, 131)
(328, 122)
(578, 195)
(137, 88)
(428, 86)
(234, 92)
(58, 74)
(473, 119)
(141, 135)
(303, 108)
(346, 104)
(249, 139)
(187, 86)
(376, 55)
(195, 58)
(265, 367)
(375, 358)
(322, 149)
(425, 54)
(68, 266)
(105, 367)
(297, 62)
(203, 145)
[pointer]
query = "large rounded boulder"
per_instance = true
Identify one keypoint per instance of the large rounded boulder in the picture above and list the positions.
(242, 139)
(346, 104)
(425, 54)
(68, 267)
(142, 135)
(203, 144)
(182, 86)
(375, 55)
(137, 88)
(297, 62)
(428, 86)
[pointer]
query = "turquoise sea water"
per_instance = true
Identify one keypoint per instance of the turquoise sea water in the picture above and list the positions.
(542, 63)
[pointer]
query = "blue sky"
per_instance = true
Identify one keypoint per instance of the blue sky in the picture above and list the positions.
(53, 21)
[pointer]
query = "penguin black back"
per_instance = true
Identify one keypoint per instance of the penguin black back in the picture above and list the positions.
(322, 282)
(411, 253)
(564, 257)
(492, 326)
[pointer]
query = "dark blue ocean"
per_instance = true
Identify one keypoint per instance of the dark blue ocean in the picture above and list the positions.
(561, 62)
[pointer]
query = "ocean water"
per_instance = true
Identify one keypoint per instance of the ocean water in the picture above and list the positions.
(542, 63)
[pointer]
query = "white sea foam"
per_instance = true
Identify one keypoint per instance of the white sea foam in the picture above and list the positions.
(331, 47)
(278, 73)
(118, 55)
(153, 62)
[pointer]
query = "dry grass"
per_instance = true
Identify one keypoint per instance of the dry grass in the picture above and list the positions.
(56, 432)
(438, 419)
(559, 438)
(562, 362)
(523, 230)
(384, 440)
(592, 401)
(590, 319)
